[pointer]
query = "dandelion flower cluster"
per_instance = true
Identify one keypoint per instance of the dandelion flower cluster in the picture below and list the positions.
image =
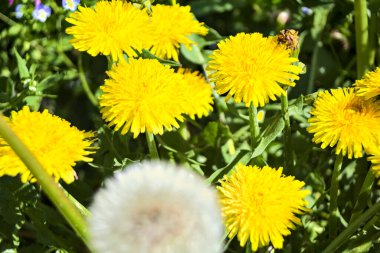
(369, 86)
(198, 93)
(157, 208)
(146, 96)
(252, 68)
(56, 144)
(170, 26)
(260, 205)
(109, 28)
(350, 122)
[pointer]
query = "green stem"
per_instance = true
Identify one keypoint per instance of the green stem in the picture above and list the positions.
(343, 237)
(288, 146)
(82, 209)
(85, 86)
(152, 146)
(314, 66)
(361, 37)
(253, 126)
(333, 219)
(365, 191)
(373, 26)
(7, 19)
(52, 190)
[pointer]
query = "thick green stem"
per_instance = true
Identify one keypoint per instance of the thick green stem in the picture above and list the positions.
(81, 208)
(85, 86)
(7, 19)
(254, 126)
(352, 228)
(288, 147)
(49, 186)
(333, 219)
(361, 37)
(365, 191)
(373, 35)
(152, 146)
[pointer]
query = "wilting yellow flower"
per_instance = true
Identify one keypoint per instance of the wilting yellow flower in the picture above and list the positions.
(252, 68)
(143, 95)
(198, 93)
(109, 28)
(56, 145)
(369, 86)
(260, 205)
(350, 122)
(171, 25)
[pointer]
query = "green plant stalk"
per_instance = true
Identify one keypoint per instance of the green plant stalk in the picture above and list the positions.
(85, 86)
(361, 37)
(365, 191)
(333, 219)
(152, 146)
(343, 237)
(81, 208)
(49, 186)
(314, 66)
(372, 36)
(253, 126)
(7, 19)
(288, 146)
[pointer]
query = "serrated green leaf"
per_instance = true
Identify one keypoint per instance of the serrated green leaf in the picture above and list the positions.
(275, 127)
(21, 65)
(296, 106)
(145, 54)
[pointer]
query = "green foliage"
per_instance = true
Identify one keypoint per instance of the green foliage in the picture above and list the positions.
(39, 68)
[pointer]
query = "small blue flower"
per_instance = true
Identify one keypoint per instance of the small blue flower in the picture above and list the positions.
(306, 10)
(70, 4)
(41, 12)
(18, 11)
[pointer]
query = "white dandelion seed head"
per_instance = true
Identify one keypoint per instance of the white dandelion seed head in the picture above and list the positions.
(156, 207)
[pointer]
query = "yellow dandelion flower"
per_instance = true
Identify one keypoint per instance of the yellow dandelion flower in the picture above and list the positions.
(198, 93)
(375, 165)
(252, 68)
(109, 29)
(350, 122)
(170, 26)
(143, 95)
(369, 86)
(260, 205)
(56, 144)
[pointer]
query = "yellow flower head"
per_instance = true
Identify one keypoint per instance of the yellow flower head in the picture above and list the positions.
(109, 29)
(260, 205)
(252, 68)
(170, 26)
(143, 95)
(56, 144)
(375, 161)
(369, 86)
(350, 122)
(198, 93)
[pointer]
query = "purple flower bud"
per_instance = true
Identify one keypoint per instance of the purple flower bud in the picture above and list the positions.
(10, 2)
(306, 10)
(18, 11)
(70, 4)
(41, 12)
